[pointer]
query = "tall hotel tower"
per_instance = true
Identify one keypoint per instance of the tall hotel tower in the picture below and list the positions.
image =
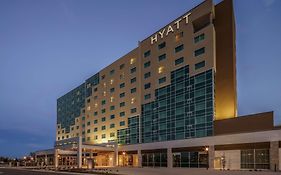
(170, 102)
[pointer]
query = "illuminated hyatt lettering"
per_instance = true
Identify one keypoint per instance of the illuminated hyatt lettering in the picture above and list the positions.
(170, 28)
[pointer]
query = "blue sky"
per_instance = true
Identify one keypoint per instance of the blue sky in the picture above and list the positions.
(48, 47)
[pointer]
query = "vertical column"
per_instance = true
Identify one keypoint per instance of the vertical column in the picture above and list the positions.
(79, 153)
(211, 156)
(56, 157)
(115, 157)
(274, 155)
(139, 159)
(169, 158)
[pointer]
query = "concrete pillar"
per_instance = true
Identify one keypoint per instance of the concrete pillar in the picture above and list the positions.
(56, 158)
(139, 159)
(115, 157)
(79, 153)
(274, 155)
(169, 158)
(211, 156)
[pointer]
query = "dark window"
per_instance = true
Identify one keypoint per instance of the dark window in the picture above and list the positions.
(121, 66)
(103, 102)
(122, 95)
(133, 70)
(122, 123)
(162, 80)
(133, 80)
(146, 54)
(112, 90)
(147, 64)
(103, 111)
(122, 104)
(147, 85)
(162, 57)
(112, 116)
(112, 125)
(199, 65)
(103, 119)
(199, 38)
(147, 96)
(122, 114)
(103, 127)
(179, 61)
(199, 51)
(179, 48)
(134, 110)
(95, 121)
(147, 75)
(111, 72)
(162, 45)
(122, 85)
(112, 108)
(133, 90)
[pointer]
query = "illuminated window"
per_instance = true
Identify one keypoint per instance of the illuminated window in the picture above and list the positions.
(111, 99)
(96, 105)
(132, 61)
(122, 75)
(160, 69)
(89, 108)
(104, 84)
(179, 36)
(133, 100)
(104, 93)
(111, 81)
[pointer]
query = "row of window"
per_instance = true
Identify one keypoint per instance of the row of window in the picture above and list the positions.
(112, 125)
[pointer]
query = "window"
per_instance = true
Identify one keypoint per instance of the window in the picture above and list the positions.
(122, 114)
(179, 36)
(88, 123)
(179, 48)
(95, 129)
(134, 110)
(133, 90)
(147, 96)
(95, 121)
(133, 80)
(122, 95)
(122, 104)
(162, 45)
(133, 70)
(103, 119)
(112, 134)
(122, 76)
(96, 113)
(147, 64)
(199, 38)
(121, 66)
(112, 116)
(103, 102)
(179, 61)
(122, 85)
(160, 69)
(199, 65)
(88, 131)
(96, 137)
(112, 125)
(162, 57)
(162, 80)
(103, 77)
(103, 111)
(147, 75)
(147, 85)
(199, 51)
(122, 123)
(103, 127)
(112, 72)
(103, 136)
(132, 61)
(112, 90)
(146, 54)
(112, 108)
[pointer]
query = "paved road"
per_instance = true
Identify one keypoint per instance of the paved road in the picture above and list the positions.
(4, 171)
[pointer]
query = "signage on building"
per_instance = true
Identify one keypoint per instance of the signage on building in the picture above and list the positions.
(169, 29)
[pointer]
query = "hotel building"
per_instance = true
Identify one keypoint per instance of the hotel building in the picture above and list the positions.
(170, 102)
